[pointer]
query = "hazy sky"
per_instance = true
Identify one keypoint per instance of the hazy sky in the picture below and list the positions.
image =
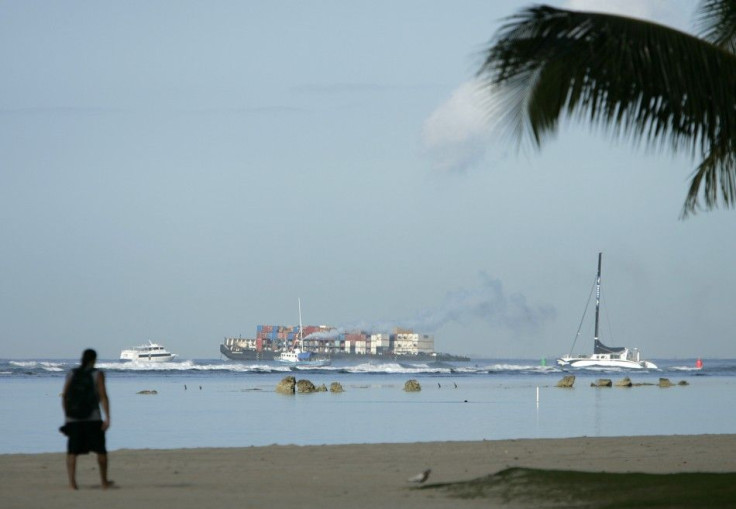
(182, 171)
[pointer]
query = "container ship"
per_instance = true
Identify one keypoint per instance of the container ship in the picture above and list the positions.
(271, 340)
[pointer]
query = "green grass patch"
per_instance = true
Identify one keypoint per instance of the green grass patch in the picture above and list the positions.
(598, 490)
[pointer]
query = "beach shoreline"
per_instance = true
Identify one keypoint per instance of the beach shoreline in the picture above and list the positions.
(345, 476)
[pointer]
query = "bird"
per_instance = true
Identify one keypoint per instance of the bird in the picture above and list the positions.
(420, 477)
(439, 386)
(455, 385)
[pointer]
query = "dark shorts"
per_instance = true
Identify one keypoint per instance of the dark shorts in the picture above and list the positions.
(85, 436)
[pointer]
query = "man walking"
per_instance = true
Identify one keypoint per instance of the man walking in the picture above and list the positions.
(84, 392)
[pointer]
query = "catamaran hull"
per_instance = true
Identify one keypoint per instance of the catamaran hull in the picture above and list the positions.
(608, 363)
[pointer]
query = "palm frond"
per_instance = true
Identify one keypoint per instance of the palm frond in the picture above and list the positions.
(717, 172)
(656, 85)
(715, 21)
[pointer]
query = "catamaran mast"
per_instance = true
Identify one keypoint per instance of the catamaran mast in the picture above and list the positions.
(597, 294)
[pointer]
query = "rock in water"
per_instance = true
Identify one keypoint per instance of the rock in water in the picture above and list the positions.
(336, 387)
(602, 382)
(412, 386)
(624, 382)
(567, 381)
(665, 382)
(305, 386)
(286, 385)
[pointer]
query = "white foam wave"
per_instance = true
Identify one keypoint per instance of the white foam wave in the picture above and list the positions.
(45, 365)
(189, 365)
(504, 367)
(391, 367)
(24, 364)
(520, 367)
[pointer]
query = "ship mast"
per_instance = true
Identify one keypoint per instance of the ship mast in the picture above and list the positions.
(597, 294)
(299, 302)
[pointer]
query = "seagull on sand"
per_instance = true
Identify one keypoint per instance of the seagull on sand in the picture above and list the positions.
(420, 477)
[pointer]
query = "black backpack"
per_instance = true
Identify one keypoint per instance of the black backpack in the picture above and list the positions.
(81, 396)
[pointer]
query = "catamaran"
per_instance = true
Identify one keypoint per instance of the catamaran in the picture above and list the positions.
(604, 356)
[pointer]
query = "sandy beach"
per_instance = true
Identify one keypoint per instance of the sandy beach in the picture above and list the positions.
(344, 476)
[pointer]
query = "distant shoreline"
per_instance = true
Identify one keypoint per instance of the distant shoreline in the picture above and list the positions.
(346, 476)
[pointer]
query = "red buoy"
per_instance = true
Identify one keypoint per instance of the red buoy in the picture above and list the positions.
(699, 364)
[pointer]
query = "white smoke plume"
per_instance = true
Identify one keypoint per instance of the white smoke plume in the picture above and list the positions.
(650, 9)
(456, 134)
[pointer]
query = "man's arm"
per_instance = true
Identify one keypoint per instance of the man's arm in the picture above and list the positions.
(104, 401)
(63, 394)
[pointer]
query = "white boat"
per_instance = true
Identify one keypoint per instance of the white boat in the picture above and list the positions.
(604, 356)
(296, 356)
(152, 352)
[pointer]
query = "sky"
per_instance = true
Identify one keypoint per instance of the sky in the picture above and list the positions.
(182, 171)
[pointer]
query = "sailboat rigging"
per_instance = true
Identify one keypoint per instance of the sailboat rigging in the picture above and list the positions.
(296, 356)
(604, 356)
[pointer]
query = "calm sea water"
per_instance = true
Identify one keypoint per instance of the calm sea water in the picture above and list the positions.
(214, 403)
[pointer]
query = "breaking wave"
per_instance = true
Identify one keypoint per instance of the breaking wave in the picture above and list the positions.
(46, 367)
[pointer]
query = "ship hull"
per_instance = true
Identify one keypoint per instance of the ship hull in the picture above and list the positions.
(254, 355)
(245, 355)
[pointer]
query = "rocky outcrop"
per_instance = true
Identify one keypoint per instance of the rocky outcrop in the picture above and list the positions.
(305, 387)
(624, 382)
(665, 382)
(148, 391)
(602, 382)
(412, 386)
(567, 381)
(321, 388)
(336, 387)
(286, 385)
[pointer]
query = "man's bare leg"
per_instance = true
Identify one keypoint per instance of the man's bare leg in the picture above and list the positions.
(71, 470)
(102, 461)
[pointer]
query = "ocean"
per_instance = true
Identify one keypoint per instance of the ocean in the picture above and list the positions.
(222, 403)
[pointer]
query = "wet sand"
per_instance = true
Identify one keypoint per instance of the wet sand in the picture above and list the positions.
(339, 476)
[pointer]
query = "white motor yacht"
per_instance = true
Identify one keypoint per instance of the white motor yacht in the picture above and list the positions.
(152, 352)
